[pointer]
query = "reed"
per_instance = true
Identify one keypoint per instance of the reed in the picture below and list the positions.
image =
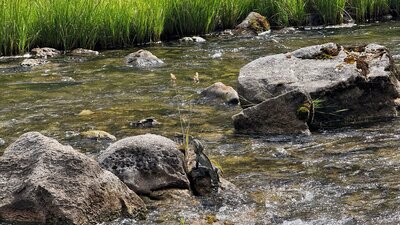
(330, 11)
(231, 12)
(370, 9)
(289, 12)
(16, 26)
(188, 17)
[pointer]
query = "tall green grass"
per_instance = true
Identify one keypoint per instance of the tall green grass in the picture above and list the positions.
(17, 31)
(105, 24)
(231, 12)
(192, 16)
(289, 12)
(369, 9)
(330, 11)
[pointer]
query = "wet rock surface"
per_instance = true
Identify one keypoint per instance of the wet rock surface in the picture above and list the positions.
(33, 62)
(254, 24)
(45, 52)
(222, 92)
(44, 182)
(285, 114)
(2, 142)
(83, 52)
(143, 59)
(146, 163)
(348, 85)
(193, 39)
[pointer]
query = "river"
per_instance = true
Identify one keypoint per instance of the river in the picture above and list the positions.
(340, 176)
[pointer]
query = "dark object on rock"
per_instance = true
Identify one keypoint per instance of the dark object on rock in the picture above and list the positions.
(203, 175)
(254, 24)
(45, 52)
(44, 182)
(146, 163)
(33, 62)
(145, 123)
(221, 91)
(348, 86)
(284, 114)
(143, 59)
(81, 51)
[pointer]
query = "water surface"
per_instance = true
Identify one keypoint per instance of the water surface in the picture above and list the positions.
(343, 176)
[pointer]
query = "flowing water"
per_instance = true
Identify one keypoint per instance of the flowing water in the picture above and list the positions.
(342, 176)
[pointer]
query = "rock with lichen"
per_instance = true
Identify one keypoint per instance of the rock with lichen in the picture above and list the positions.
(146, 163)
(44, 182)
(347, 85)
(143, 59)
(253, 24)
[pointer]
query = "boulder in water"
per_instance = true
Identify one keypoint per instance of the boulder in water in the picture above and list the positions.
(44, 182)
(146, 163)
(254, 24)
(143, 59)
(347, 85)
(45, 52)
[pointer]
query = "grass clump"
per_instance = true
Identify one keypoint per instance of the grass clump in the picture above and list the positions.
(330, 11)
(369, 9)
(16, 26)
(188, 17)
(289, 12)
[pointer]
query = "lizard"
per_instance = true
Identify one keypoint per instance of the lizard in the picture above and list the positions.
(204, 162)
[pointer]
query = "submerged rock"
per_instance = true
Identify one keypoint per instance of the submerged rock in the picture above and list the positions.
(254, 24)
(81, 51)
(86, 112)
(44, 182)
(143, 59)
(145, 123)
(33, 62)
(193, 39)
(146, 163)
(348, 85)
(45, 52)
(221, 91)
(98, 135)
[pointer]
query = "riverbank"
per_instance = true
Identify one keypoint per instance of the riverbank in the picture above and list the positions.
(111, 24)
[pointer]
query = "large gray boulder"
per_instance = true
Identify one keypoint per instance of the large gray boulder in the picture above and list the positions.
(349, 85)
(143, 59)
(146, 163)
(44, 182)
